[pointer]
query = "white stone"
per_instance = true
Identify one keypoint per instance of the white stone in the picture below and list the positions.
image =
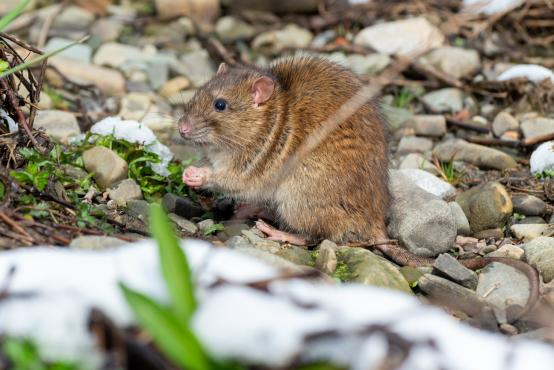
(542, 158)
(58, 124)
(430, 183)
(291, 36)
(407, 36)
(454, 61)
(533, 72)
(490, 7)
(113, 54)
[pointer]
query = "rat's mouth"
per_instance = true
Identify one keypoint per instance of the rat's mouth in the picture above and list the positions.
(192, 132)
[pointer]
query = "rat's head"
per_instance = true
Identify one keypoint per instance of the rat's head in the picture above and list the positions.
(229, 110)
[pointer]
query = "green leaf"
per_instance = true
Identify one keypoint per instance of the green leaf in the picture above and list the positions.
(213, 229)
(2, 190)
(39, 59)
(4, 65)
(22, 177)
(175, 267)
(41, 180)
(8, 18)
(172, 335)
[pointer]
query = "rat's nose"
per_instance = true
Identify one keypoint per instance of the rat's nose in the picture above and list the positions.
(185, 127)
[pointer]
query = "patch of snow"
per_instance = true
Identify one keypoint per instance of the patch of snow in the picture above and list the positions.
(542, 158)
(349, 325)
(490, 7)
(12, 125)
(135, 132)
(429, 182)
(533, 72)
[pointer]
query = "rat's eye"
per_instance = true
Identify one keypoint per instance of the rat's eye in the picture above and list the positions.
(220, 105)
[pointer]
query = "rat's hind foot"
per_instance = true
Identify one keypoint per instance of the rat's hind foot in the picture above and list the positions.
(278, 235)
(196, 177)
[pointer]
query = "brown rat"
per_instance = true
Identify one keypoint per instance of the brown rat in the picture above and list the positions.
(249, 121)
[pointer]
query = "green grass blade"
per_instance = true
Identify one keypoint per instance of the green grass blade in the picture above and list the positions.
(8, 18)
(171, 335)
(39, 59)
(175, 267)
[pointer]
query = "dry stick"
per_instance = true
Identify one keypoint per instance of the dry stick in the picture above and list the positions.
(20, 115)
(48, 22)
(441, 76)
(467, 126)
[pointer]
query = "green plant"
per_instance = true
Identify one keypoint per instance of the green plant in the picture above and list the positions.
(170, 326)
(213, 229)
(23, 355)
(549, 173)
(152, 184)
(403, 98)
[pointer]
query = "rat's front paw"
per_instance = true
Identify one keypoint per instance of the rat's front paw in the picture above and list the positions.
(196, 177)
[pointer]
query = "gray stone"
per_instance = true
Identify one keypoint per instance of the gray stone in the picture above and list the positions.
(138, 208)
(414, 144)
(494, 233)
(326, 260)
(107, 29)
(295, 254)
(503, 286)
(79, 52)
(449, 267)
(73, 172)
(454, 61)
(262, 243)
(508, 250)
(198, 67)
(275, 41)
(125, 190)
(422, 222)
(486, 206)
(417, 161)
(60, 125)
(430, 183)
(478, 155)
(538, 126)
(539, 252)
(183, 207)
(205, 224)
(238, 242)
(114, 54)
(201, 10)
(427, 125)
(531, 220)
(185, 225)
(444, 100)
(368, 64)
(109, 81)
(229, 28)
(232, 229)
(462, 223)
(107, 166)
(365, 267)
(94, 242)
(528, 205)
(503, 122)
(73, 18)
(407, 36)
(528, 232)
(174, 86)
(442, 290)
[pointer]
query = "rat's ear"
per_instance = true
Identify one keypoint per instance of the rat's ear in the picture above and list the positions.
(222, 68)
(262, 89)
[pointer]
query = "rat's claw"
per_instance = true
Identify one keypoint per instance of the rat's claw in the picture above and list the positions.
(195, 176)
(278, 235)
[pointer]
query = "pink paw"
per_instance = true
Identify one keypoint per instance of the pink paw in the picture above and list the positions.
(196, 177)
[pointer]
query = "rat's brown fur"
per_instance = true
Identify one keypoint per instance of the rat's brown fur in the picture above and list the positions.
(339, 191)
